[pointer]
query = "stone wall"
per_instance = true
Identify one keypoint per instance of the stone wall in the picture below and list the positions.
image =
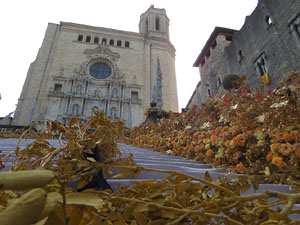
(269, 41)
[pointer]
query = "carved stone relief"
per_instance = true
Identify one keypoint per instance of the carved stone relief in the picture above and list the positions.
(103, 51)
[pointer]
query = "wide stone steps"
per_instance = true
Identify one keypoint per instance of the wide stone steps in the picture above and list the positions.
(155, 160)
(149, 159)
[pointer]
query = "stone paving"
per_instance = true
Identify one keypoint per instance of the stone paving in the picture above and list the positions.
(149, 159)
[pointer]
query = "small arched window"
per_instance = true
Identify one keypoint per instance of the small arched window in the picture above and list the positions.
(104, 41)
(157, 23)
(111, 42)
(146, 26)
(96, 40)
(119, 43)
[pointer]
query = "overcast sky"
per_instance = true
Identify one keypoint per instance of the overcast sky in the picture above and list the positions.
(24, 22)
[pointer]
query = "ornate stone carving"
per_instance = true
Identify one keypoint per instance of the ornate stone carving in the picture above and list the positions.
(84, 68)
(102, 51)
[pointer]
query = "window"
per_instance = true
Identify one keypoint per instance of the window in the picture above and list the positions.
(208, 91)
(104, 41)
(111, 42)
(269, 20)
(119, 43)
(157, 23)
(146, 26)
(219, 82)
(127, 44)
(134, 95)
(260, 65)
(297, 29)
(88, 39)
(295, 26)
(96, 40)
(240, 56)
(228, 38)
(100, 70)
(57, 87)
(80, 38)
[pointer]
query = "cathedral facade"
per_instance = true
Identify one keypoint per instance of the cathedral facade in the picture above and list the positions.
(81, 68)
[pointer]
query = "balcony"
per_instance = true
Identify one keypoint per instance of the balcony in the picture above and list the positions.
(56, 94)
(136, 101)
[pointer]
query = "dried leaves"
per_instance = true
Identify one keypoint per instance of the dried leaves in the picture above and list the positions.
(242, 131)
(176, 199)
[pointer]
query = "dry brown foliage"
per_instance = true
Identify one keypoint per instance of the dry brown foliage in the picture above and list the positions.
(35, 191)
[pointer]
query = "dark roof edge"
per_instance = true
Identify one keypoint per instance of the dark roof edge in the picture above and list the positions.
(217, 31)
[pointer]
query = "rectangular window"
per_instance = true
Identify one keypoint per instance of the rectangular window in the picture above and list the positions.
(228, 38)
(111, 42)
(96, 40)
(104, 41)
(134, 95)
(80, 38)
(57, 87)
(127, 44)
(295, 26)
(260, 64)
(88, 39)
(119, 43)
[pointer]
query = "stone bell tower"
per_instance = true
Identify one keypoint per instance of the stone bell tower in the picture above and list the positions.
(154, 23)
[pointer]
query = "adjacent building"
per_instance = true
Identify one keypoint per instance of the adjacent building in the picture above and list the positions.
(268, 43)
(81, 68)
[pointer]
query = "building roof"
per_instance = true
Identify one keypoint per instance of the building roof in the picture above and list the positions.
(217, 31)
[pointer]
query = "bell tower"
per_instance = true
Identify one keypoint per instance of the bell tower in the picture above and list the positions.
(154, 23)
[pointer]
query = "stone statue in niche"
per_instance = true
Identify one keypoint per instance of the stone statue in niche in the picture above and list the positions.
(78, 89)
(134, 80)
(115, 93)
(100, 92)
(113, 112)
(75, 109)
(102, 106)
(95, 93)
